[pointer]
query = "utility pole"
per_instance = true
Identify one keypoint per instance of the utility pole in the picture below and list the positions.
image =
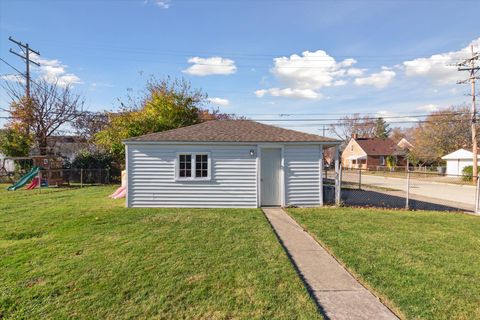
(26, 57)
(470, 65)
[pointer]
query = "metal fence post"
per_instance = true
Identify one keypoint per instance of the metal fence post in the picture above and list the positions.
(360, 179)
(39, 177)
(407, 198)
(338, 168)
(477, 196)
(338, 189)
(81, 177)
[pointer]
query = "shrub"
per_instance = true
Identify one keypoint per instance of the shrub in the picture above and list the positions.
(467, 173)
(94, 160)
(391, 162)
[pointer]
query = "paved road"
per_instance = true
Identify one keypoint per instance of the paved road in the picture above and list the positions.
(435, 190)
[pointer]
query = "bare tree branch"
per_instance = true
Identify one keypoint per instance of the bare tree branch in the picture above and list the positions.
(50, 108)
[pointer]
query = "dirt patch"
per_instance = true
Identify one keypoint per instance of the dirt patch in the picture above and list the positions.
(38, 281)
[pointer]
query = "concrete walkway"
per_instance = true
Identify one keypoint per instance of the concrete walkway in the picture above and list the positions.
(338, 294)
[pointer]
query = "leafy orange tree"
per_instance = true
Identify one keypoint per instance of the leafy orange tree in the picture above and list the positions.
(442, 132)
(16, 138)
(49, 110)
(167, 104)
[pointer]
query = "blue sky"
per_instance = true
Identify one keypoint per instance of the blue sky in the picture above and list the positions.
(382, 57)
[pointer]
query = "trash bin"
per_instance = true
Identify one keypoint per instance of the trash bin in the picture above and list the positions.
(441, 170)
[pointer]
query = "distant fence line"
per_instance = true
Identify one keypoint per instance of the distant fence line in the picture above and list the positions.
(76, 176)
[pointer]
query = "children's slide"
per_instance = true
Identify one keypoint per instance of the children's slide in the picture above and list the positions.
(119, 193)
(33, 184)
(24, 180)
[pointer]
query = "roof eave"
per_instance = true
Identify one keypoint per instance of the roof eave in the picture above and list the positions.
(138, 142)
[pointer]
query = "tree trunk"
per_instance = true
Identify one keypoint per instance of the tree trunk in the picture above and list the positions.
(42, 146)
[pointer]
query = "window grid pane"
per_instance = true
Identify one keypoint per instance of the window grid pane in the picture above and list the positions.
(201, 166)
(185, 168)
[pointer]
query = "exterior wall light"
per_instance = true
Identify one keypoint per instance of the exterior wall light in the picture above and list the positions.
(252, 152)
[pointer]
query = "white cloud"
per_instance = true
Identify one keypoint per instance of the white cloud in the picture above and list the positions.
(440, 68)
(355, 72)
(13, 78)
(311, 70)
(219, 101)
(289, 93)
(54, 71)
(164, 4)
(101, 84)
(347, 62)
(339, 83)
(379, 80)
(210, 66)
(390, 117)
(304, 75)
(428, 107)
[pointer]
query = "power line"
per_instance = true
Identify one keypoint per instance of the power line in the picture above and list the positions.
(182, 53)
(322, 120)
(8, 64)
(36, 84)
(365, 125)
(26, 57)
(439, 114)
(470, 65)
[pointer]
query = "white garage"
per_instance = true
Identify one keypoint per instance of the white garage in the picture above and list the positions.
(235, 163)
(458, 160)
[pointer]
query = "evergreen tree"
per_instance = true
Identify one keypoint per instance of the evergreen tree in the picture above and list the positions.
(382, 128)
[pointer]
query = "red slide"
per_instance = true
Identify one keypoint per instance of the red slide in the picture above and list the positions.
(33, 184)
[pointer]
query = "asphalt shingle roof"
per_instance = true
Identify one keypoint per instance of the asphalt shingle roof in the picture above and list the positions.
(232, 131)
(379, 146)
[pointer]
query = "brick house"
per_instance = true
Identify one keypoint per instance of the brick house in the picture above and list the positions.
(371, 153)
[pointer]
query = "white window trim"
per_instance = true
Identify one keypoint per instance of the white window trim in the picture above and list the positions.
(194, 156)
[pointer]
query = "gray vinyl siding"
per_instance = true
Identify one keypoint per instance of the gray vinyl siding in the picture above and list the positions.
(302, 174)
(151, 177)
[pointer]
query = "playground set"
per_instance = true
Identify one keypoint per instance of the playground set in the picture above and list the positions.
(46, 171)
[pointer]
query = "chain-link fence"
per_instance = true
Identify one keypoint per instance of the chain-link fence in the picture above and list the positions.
(88, 176)
(67, 177)
(414, 190)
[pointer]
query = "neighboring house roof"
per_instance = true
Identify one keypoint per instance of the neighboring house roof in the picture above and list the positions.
(52, 140)
(460, 154)
(65, 146)
(405, 144)
(232, 131)
(379, 146)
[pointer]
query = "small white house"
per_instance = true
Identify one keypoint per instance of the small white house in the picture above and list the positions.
(226, 163)
(458, 160)
(7, 165)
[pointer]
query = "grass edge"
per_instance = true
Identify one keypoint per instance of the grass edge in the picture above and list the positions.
(381, 297)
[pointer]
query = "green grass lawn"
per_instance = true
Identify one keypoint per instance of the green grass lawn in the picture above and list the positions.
(74, 253)
(426, 264)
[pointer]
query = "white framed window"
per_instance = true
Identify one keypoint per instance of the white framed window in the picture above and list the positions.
(193, 166)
